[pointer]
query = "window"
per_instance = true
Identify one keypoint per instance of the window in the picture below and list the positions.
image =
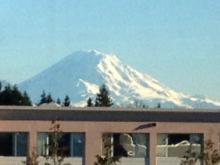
(70, 144)
(174, 147)
(77, 144)
(127, 144)
(13, 144)
(20, 143)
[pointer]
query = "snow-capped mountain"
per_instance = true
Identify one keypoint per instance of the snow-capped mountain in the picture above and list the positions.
(80, 74)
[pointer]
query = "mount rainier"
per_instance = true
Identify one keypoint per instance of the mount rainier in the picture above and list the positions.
(80, 74)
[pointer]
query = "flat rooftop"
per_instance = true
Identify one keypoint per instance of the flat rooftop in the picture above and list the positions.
(108, 114)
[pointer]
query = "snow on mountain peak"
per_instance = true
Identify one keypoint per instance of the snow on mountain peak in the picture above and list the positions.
(80, 74)
(95, 52)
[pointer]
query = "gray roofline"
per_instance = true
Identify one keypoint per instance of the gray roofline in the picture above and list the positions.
(108, 114)
(108, 109)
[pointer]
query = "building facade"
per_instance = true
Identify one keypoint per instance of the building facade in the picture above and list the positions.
(139, 136)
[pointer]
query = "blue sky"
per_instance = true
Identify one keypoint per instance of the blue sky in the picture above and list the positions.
(176, 42)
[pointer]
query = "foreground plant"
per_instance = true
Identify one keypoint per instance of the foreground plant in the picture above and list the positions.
(32, 158)
(191, 157)
(108, 157)
(210, 155)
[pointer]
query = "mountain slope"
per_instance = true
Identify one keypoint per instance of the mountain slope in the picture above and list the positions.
(80, 74)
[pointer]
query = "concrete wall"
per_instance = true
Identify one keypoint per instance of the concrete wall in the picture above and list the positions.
(21, 160)
(133, 161)
(171, 161)
(67, 161)
(12, 160)
(94, 130)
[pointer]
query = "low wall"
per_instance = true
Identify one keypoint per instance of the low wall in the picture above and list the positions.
(134, 161)
(6, 160)
(170, 161)
(67, 161)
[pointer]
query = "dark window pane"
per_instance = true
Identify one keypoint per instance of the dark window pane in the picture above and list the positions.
(21, 144)
(43, 144)
(63, 140)
(70, 144)
(13, 144)
(64, 144)
(177, 138)
(6, 143)
(77, 144)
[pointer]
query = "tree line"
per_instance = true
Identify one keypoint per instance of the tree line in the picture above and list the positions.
(102, 99)
(11, 95)
(47, 98)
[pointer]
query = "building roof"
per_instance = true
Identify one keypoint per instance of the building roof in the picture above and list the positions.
(108, 114)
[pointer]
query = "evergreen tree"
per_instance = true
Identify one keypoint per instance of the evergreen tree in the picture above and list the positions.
(89, 102)
(43, 98)
(16, 96)
(158, 105)
(6, 96)
(58, 101)
(102, 98)
(12, 96)
(49, 98)
(66, 102)
(26, 99)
